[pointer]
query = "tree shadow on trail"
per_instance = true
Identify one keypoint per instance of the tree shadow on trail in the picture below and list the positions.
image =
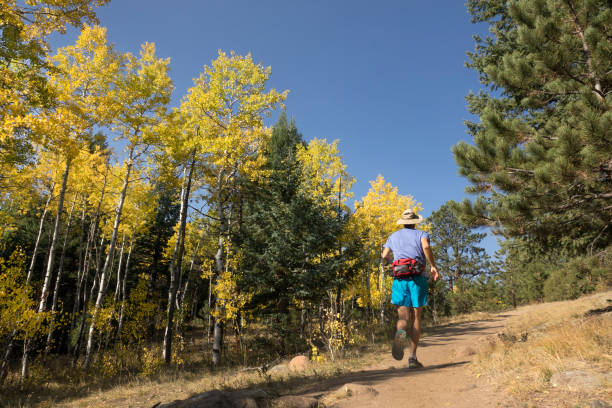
(315, 385)
(441, 335)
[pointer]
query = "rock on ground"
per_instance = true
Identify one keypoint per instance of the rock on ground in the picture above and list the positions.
(575, 380)
(299, 363)
(221, 399)
(294, 401)
(348, 390)
(279, 368)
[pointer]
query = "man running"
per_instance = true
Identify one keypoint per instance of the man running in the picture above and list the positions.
(409, 294)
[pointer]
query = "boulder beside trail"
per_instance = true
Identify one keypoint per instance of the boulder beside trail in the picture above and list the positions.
(299, 363)
(221, 399)
(278, 369)
(347, 391)
(294, 401)
(575, 380)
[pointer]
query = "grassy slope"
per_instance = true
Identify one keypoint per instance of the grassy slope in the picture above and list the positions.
(544, 339)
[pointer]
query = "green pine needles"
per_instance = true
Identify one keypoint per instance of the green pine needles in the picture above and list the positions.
(541, 158)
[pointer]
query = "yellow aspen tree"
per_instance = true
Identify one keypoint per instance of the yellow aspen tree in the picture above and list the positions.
(225, 108)
(377, 214)
(143, 92)
(80, 84)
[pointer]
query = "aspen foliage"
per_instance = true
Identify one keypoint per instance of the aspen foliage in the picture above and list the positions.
(23, 86)
(226, 289)
(225, 110)
(17, 304)
(325, 177)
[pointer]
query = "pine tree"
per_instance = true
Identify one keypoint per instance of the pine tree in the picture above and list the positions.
(286, 233)
(456, 247)
(541, 159)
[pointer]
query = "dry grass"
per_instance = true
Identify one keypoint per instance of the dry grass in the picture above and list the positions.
(541, 340)
(146, 393)
(175, 384)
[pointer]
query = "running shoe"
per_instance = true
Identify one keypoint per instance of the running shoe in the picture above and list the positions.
(397, 349)
(414, 363)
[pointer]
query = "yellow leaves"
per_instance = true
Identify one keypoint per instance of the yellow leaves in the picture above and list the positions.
(224, 112)
(17, 306)
(143, 90)
(229, 297)
(379, 210)
(39, 18)
(84, 75)
(325, 175)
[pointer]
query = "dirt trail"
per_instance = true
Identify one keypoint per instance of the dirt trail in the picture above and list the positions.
(446, 380)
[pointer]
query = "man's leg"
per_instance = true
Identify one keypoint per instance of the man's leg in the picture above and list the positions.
(415, 333)
(414, 325)
(399, 342)
(402, 318)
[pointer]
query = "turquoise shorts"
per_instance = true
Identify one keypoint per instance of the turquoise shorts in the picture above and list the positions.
(410, 292)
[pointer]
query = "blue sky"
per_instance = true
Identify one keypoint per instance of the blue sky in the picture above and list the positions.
(386, 78)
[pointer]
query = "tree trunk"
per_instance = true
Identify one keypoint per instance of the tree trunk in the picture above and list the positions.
(81, 289)
(47, 281)
(219, 261)
(58, 279)
(118, 285)
(96, 278)
(177, 259)
(60, 208)
(123, 297)
(40, 230)
(77, 348)
(109, 257)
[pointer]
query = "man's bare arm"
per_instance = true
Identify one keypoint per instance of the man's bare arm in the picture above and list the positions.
(430, 258)
(386, 255)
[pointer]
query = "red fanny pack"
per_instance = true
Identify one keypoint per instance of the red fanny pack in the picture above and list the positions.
(406, 268)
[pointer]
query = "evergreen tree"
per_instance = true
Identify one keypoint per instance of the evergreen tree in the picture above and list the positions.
(287, 237)
(541, 158)
(456, 247)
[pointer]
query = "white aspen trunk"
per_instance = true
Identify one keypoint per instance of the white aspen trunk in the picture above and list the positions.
(40, 230)
(210, 318)
(175, 265)
(81, 289)
(77, 348)
(123, 297)
(58, 279)
(183, 293)
(117, 287)
(94, 283)
(218, 325)
(47, 280)
(60, 208)
(109, 257)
